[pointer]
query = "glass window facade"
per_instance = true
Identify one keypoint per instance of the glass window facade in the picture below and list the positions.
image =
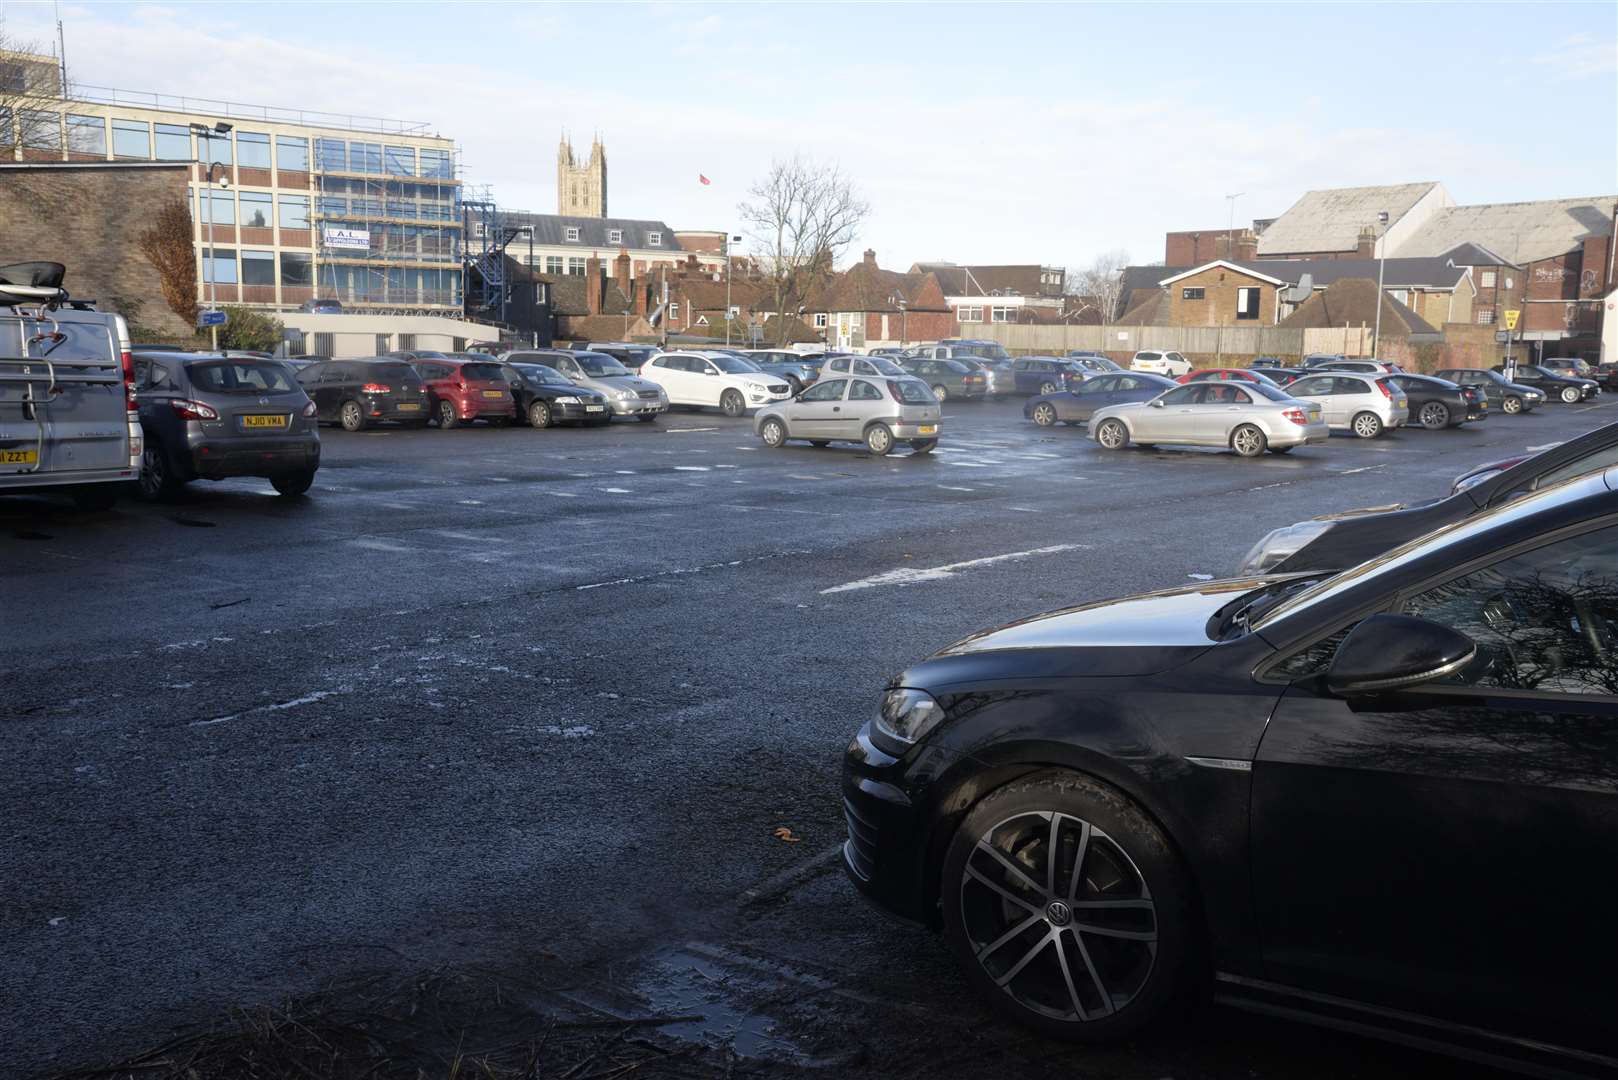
(291, 154)
(400, 160)
(252, 150)
(436, 163)
(132, 139)
(294, 211)
(258, 210)
(258, 268)
(221, 267)
(364, 157)
(173, 142)
(221, 204)
(40, 130)
(331, 155)
(297, 268)
(216, 149)
(87, 135)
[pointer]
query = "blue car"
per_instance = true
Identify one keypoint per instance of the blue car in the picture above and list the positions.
(1077, 405)
(799, 371)
(1045, 374)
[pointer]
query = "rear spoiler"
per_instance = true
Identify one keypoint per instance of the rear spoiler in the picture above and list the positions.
(35, 283)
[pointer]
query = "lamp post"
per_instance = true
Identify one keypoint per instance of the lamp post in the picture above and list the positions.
(728, 240)
(904, 313)
(203, 133)
(1381, 262)
(1230, 225)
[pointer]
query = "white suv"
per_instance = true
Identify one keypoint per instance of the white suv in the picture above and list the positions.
(713, 378)
(1159, 362)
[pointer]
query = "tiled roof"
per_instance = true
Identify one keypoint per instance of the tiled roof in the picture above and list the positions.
(1015, 280)
(1331, 220)
(552, 229)
(1352, 302)
(1518, 232)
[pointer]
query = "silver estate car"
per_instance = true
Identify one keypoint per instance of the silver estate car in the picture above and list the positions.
(879, 411)
(1367, 405)
(627, 394)
(1249, 418)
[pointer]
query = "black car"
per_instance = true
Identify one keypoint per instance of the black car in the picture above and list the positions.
(359, 393)
(1077, 405)
(1280, 376)
(1045, 374)
(1509, 397)
(1439, 403)
(1339, 540)
(545, 396)
(1385, 800)
(1568, 389)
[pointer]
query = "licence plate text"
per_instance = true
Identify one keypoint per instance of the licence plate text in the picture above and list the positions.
(19, 457)
(928, 429)
(493, 393)
(595, 408)
(408, 406)
(264, 421)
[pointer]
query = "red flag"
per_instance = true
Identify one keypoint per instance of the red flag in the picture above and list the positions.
(704, 179)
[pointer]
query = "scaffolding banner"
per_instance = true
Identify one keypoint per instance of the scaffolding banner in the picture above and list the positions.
(350, 239)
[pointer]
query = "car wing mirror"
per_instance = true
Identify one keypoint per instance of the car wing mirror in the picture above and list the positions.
(1156, 403)
(1390, 652)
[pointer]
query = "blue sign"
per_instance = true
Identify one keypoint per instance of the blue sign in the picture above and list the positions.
(210, 318)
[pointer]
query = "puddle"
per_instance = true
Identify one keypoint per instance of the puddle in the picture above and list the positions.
(195, 523)
(730, 1000)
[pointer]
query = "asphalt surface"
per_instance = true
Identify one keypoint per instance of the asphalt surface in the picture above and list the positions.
(540, 700)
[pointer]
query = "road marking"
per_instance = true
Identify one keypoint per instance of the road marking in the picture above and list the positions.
(637, 579)
(692, 468)
(1023, 509)
(380, 545)
(913, 575)
(617, 491)
(560, 494)
(950, 487)
(470, 502)
(624, 472)
(683, 430)
(967, 464)
(1547, 446)
(1200, 577)
(802, 476)
(1348, 472)
(307, 699)
(498, 479)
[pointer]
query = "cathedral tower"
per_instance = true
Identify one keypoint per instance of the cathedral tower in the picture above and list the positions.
(581, 190)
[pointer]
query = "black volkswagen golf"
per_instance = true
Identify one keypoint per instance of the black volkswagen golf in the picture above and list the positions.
(1385, 799)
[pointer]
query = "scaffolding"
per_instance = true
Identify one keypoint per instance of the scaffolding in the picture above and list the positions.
(487, 233)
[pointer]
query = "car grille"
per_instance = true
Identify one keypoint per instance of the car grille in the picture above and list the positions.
(861, 846)
(779, 388)
(650, 395)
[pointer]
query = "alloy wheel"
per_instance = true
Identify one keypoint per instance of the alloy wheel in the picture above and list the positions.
(1044, 415)
(773, 433)
(1512, 405)
(446, 415)
(732, 403)
(1112, 435)
(1367, 426)
(153, 472)
(1434, 415)
(1570, 395)
(1048, 388)
(352, 417)
(1058, 916)
(1248, 441)
(940, 393)
(539, 415)
(879, 440)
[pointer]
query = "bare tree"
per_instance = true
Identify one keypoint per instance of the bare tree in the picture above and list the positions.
(167, 246)
(1101, 284)
(31, 94)
(802, 214)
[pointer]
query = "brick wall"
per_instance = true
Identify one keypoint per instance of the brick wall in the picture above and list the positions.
(1218, 305)
(90, 219)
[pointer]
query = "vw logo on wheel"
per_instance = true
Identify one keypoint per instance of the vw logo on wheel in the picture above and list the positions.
(1058, 913)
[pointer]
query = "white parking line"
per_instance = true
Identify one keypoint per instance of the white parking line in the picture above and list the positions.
(616, 491)
(683, 430)
(951, 487)
(968, 464)
(1351, 472)
(692, 468)
(914, 575)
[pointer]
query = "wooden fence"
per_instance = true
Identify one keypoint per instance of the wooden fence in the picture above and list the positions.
(1209, 343)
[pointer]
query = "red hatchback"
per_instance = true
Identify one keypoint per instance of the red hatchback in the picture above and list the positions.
(461, 391)
(1226, 374)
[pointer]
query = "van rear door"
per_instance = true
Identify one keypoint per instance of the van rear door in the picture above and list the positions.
(64, 407)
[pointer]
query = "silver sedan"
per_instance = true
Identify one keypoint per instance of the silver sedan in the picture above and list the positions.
(1248, 418)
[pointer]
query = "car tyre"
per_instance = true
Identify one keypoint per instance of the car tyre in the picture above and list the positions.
(732, 403)
(940, 393)
(1048, 388)
(1248, 441)
(879, 439)
(923, 446)
(539, 415)
(446, 416)
(1108, 944)
(291, 484)
(351, 415)
(1512, 405)
(158, 481)
(1366, 425)
(774, 433)
(1434, 416)
(795, 385)
(1571, 395)
(1045, 414)
(1112, 435)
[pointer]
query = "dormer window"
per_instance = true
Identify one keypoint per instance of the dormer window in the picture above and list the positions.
(654, 239)
(571, 234)
(615, 236)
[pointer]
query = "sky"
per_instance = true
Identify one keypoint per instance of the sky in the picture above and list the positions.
(981, 133)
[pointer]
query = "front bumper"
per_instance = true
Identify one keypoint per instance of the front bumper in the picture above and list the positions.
(638, 406)
(568, 412)
(216, 459)
(885, 853)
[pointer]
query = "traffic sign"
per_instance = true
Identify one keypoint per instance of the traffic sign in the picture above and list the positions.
(1511, 319)
(210, 318)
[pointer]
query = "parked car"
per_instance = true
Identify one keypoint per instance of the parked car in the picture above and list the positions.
(1078, 403)
(949, 378)
(321, 307)
(1568, 389)
(797, 370)
(1248, 419)
(212, 417)
(1095, 364)
(545, 397)
(359, 393)
(1315, 359)
(1364, 367)
(1439, 403)
(1607, 375)
(890, 351)
(1499, 391)
(69, 425)
(1338, 541)
(714, 380)
(1280, 376)
(630, 355)
(627, 394)
(1300, 793)
(844, 364)
(985, 356)
(1159, 362)
(1367, 405)
(1571, 365)
(1270, 362)
(463, 391)
(1045, 374)
(1227, 375)
(880, 412)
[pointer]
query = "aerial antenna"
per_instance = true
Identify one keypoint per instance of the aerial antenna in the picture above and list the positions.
(61, 46)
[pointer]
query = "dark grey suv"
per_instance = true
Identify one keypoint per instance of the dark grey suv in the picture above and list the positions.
(209, 417)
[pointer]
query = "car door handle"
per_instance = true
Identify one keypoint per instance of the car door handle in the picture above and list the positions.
(836, 408)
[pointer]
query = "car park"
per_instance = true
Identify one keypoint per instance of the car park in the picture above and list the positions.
(1078, 403)
(797, 370)
(948, 378)
(1298, 793)
(1045, 374)
(889, 351)
(1248, 419)
(1160, 362)
(1438, 403)
(629, 354)
(463, 391)
(1226, 375)
(1568, 389)
(206, 416)
(1509, 397)
(545, 397)
(627, 394)
(1366, 405)
(359, 393)
(1336, 541)
(68, 411)
(714, 380)
(879, 412)
(989, 357)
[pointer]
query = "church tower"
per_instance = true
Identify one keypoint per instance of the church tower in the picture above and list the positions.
(581, 190)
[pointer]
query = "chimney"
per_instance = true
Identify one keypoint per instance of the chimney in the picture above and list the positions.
(1366, 248)
(593, 284)
(620, 272)
(870, 258)
(1246, 246)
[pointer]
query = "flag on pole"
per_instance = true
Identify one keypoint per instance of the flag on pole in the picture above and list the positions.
(704, 179)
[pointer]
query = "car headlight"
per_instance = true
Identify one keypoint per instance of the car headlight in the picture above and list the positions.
(907, 715)
(626, 395)
(566, 400)
(1280, 545)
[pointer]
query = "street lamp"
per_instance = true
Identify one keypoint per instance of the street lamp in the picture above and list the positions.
(1381, 262)
(204, 133)
(729, 239)
(1230, 227)
(904, 312)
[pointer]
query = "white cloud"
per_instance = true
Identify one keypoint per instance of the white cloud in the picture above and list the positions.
(1580, 56)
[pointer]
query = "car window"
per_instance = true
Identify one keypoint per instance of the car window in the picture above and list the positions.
(735, 365)
(1150, 356)
(599, 365)
(825, 391)
(860, 390)
(838, 364)
(240, 376)
(1185, 395)
(541, 374)
(1603, 458)
(1544, 620)
(912, 391)
(1350, 386)
(1314, 384)
(1102, 384)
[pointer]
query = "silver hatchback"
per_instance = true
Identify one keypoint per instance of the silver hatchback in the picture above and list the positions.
(1367, 405)
(881, 412)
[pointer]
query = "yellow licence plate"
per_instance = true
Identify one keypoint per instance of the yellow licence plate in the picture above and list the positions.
(408, 406)
(264, 421)
(493, 393)
(928, 429)
(19, 457)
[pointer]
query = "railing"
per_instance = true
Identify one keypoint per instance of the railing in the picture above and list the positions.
(106, 95)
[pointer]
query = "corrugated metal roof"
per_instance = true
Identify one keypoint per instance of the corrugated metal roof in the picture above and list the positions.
(1331, 220)
(1518, 232)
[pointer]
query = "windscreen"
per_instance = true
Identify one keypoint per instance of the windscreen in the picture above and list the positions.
(540, 373)
(884, 366)
(1265, 390)
(241, 376)
(599, 365)
(481, 372)
(397, 373)
(911, 391)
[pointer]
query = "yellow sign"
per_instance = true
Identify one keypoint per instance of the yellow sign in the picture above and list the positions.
(1511, 319)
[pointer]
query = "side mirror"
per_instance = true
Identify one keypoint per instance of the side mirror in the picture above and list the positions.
(1156, 403)
(1387, 652)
